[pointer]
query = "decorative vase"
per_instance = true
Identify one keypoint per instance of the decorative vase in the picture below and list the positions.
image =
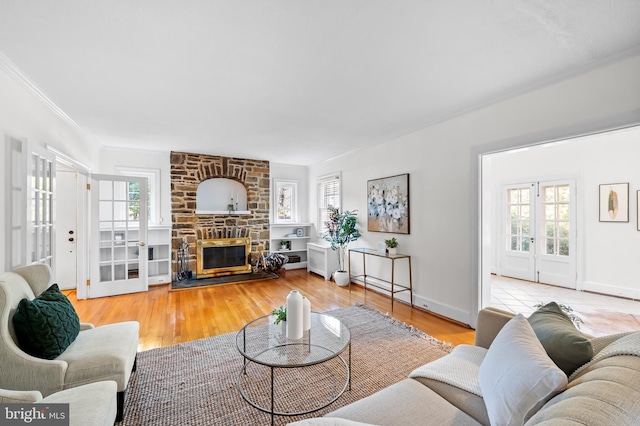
(341, 278)
(306, 314)
(294, 315)
(392, 250)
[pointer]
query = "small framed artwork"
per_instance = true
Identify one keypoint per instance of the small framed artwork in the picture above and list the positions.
(614, 202)
(299, 232)
(638, 210)
(388, 204)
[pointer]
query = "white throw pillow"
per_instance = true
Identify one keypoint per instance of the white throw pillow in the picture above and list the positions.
(324, 421)
(517, 376)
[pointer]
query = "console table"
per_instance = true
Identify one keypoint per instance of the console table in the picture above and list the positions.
(395, 288)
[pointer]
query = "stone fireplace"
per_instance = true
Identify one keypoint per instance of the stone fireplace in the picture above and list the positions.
(187, 172)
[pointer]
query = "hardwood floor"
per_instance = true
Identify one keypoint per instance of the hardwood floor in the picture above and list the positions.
(170, 317)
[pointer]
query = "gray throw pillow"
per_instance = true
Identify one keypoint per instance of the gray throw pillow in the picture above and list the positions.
(564, 343)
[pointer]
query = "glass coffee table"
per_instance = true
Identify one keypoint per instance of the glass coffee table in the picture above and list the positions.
(317, 357)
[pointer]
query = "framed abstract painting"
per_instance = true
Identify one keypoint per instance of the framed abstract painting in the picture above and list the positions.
(614, 202)
(388, 204)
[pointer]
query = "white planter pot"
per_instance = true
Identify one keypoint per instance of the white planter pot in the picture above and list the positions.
(392, 250)
(341, 278)
(277, 332)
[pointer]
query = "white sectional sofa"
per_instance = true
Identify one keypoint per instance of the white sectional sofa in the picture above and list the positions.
(504, 379)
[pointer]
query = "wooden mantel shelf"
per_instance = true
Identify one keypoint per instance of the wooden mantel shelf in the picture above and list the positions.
(227, 212)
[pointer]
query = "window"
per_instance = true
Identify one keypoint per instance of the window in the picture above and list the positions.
(153, 192)
(328, 195)
(286, 201)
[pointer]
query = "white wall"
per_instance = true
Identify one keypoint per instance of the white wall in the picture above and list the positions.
(23, 116)
(294, 173)
(609, 250)
(443, 163)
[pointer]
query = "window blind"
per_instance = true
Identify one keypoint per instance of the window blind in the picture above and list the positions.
(328, 195)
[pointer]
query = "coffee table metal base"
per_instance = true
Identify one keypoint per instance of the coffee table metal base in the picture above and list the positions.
(271, 410)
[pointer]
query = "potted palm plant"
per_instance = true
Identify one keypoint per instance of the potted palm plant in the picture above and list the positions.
(341, 230)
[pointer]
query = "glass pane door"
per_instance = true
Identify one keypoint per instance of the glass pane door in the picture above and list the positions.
(519, 219)
(539, 232)
(517, 258)
(556, 219)
(119, 234)
(556, 262)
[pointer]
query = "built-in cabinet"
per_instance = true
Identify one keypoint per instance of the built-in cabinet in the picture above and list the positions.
(159, 254)
(291, 239)
(120, 252)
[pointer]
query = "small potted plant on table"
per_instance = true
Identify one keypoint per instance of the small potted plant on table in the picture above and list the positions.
(392, 245)
(279, 315)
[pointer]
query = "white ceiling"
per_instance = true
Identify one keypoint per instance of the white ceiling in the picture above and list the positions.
(297, 81)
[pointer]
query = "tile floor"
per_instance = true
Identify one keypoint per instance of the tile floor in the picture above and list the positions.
(600, 314)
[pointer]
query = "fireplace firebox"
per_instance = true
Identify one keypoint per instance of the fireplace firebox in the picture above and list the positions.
(223, 256)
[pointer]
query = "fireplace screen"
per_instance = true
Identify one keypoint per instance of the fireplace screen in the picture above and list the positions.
(223, 256)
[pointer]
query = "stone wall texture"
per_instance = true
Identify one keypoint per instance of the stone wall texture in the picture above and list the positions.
(187, 171)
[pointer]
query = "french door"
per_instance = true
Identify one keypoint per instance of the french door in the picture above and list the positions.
(118, 254)
(40, 227)
(29, 204)
(539, 232)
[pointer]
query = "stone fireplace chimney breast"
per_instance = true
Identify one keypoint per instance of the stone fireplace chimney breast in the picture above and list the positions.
(237, 177)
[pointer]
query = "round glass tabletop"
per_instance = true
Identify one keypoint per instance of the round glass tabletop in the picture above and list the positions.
(263, 342)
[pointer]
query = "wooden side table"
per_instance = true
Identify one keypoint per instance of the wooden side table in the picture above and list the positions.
(395, 288)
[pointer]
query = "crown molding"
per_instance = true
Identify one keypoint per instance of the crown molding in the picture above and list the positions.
(12, 70)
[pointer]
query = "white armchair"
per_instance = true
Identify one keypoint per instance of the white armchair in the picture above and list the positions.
(89, 405)
(98, 353)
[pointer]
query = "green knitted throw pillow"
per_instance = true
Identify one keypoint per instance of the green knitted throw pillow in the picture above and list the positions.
(564, 343)
(46, 325)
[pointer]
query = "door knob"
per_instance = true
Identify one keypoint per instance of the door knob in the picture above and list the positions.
(141, 244)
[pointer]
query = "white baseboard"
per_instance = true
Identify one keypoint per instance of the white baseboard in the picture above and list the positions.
(424, 302)
(443, 309)
(611, 290)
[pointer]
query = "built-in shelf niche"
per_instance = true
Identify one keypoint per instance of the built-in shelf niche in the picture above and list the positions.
(214, 196)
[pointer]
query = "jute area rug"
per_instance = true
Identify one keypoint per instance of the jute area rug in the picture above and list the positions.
(195, 383)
